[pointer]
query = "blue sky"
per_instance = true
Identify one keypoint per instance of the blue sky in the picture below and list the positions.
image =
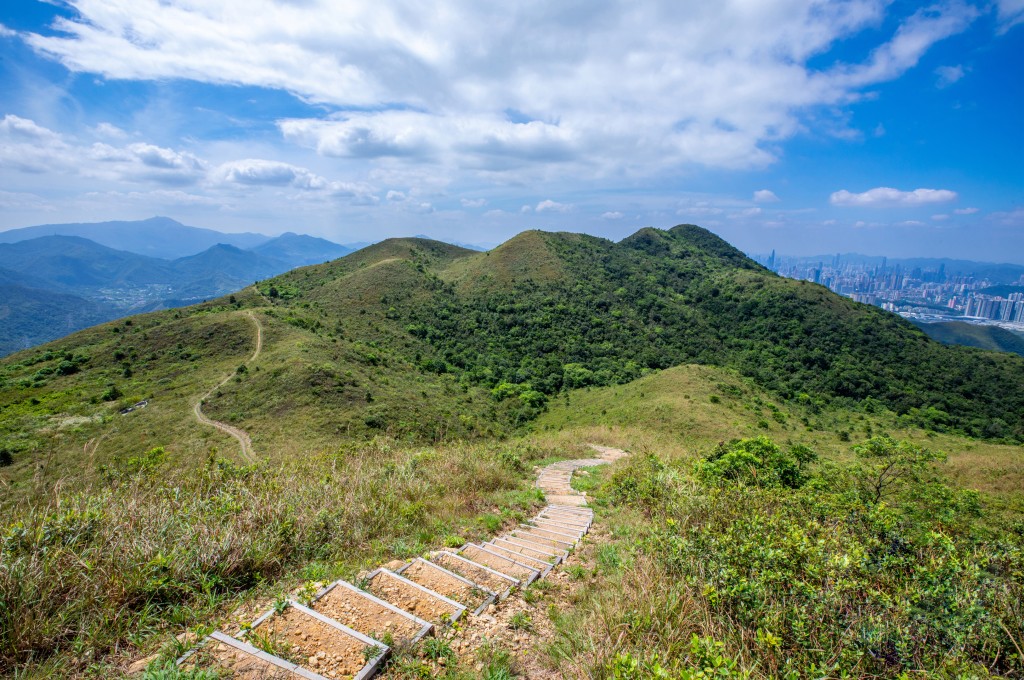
(807, 126)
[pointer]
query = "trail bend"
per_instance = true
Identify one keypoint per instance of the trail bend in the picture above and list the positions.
(244, 441)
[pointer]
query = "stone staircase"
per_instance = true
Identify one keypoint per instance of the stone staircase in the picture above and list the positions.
(348, 630)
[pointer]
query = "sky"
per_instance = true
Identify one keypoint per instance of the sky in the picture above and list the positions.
(805, 126)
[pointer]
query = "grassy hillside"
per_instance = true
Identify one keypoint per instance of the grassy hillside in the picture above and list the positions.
(385, 383)
(972, 335)
(749, 538)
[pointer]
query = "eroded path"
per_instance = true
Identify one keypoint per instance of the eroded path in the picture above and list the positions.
(239, 434)
(349, 630)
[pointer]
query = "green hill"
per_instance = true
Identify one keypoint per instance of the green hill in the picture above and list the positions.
(420, 339)
(973, 335)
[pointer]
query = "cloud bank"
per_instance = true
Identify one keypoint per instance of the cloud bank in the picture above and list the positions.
(887, 197)
(492, 89)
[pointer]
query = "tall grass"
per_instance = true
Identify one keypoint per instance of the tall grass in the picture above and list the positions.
(735, 580)
(85, 578)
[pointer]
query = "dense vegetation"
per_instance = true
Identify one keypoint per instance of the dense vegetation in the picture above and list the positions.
(874, 568)
(606, 313)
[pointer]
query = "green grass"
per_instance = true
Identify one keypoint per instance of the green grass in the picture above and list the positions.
(77, 585)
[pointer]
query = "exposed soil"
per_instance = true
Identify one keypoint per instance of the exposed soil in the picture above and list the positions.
(411, 599)
(236, 663)
(524, 548)
(543, 538)
(503, 564)
(358, 612)
(534, 562)
(314, 644)
(431, 577)
(474, 573)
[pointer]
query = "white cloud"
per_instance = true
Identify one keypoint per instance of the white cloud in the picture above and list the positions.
(109, 131)
(637, 89)
(6, 32)
(258, 172)
(947, 75)
(547, 205)
(1010, 218)
(614, 215)
(28, 147)
(1010, 13)
(765, 196)
(473, 202)
(889, 197)
(942, 217)
(396, 196)
(910, 223)
(965, 211)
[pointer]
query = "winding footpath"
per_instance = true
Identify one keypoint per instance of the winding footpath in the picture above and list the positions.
(241, 435)
(347, 630)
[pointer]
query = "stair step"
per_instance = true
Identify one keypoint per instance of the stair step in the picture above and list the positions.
(414, 598)
(542, 566)
(369, 614)
(490, 578)
(577, 531)
(541, 549)
(561, 536)
(458, 588)
(507, 565)
(238, 659)
(520, 548)
(316, 643)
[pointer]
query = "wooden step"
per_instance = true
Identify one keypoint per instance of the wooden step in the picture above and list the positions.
(516, 551)
(316, 643)
(544, 552)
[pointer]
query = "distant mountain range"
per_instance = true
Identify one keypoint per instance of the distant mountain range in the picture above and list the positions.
(156, 237)
(973, 335)
(55, 279)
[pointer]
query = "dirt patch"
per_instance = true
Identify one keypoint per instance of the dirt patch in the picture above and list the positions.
(311, 643)
(236, 663)
(522, 547)
(474, 573)
(543, 538)
(359, 612)
(413, 600)
(430, 576)
(505, 565)
(533, 562)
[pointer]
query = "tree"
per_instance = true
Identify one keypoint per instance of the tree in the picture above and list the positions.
(888, 466)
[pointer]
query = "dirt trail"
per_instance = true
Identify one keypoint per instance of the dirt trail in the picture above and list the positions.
(241, 435)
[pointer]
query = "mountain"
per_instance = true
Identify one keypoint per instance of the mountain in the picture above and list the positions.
(414, 337)
(975, 335)
(381, 393)
(73, 263)
(159, 237)
(299, 249)
(119, 282)
(30, 316)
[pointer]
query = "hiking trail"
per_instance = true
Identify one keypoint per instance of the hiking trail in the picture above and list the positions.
(241, 435)
(348, 630)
